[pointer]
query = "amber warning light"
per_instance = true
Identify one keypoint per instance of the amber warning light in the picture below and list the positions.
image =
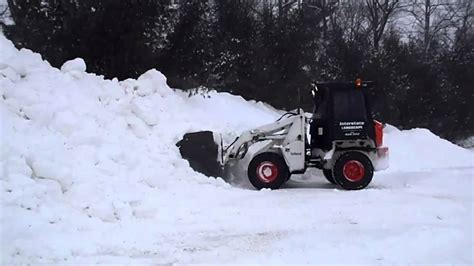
(358, 83)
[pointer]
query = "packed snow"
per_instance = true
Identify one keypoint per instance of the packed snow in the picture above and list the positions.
(91, 174)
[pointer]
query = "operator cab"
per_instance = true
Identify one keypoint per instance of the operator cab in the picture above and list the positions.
(341, 113)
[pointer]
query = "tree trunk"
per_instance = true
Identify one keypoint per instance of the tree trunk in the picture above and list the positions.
(427, 24)
(280, 9)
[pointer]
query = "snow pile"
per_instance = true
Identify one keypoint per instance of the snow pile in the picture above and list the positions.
(79, 151)
(90, 171)
(419, 149)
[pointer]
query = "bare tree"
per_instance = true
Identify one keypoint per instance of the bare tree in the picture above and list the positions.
(434, 17)
(325, 8)
(277, 7)
(350, 17)
(379, 12)
(465, 18)
(283, 7)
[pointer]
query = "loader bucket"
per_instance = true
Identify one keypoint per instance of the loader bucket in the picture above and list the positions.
(201, 151)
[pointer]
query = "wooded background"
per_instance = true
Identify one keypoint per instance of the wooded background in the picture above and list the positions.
(419, 53)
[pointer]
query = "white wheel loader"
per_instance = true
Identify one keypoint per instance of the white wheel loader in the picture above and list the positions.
(340, 137)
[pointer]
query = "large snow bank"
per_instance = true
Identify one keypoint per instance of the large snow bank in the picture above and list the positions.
(89, 164)
(418, 150)
(78, 150)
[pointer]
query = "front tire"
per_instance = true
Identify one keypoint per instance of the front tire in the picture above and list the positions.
(328, 174)
(353, 170)
(268, 170)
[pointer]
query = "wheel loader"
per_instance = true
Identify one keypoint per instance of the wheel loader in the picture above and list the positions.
(340, 137)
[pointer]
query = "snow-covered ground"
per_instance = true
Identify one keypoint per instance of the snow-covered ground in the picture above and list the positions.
(91, 174)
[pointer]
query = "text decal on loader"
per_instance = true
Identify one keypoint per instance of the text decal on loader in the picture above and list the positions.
(353, 128)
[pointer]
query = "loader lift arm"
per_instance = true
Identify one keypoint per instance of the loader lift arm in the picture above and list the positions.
(286, 136)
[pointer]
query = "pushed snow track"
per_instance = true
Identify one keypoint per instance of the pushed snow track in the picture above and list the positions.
(91, 174)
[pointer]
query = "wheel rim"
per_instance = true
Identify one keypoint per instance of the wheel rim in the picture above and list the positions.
(353, 171)
(267, 172)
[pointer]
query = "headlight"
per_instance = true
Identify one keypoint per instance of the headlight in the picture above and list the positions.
(242, 151)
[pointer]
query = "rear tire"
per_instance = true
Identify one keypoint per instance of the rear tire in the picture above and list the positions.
(353, 170)
(268, 170)
(328, 174)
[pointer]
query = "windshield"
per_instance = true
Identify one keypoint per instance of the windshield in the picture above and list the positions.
(349, 106)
